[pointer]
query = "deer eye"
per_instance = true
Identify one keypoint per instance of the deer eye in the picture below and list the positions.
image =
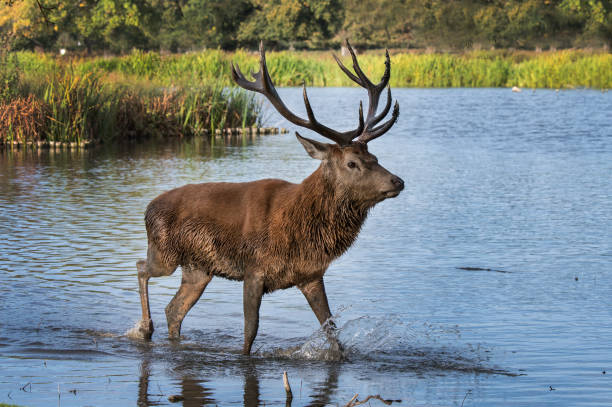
(351, 164)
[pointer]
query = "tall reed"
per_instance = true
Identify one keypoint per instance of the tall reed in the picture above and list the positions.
(562, 69)
(71, 106)
(80, 108)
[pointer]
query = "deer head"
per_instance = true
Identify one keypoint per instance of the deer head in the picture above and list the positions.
(347, 163)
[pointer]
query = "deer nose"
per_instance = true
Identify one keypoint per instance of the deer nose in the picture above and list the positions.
(397, 183)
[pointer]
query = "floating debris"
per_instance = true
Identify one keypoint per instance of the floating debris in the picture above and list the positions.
(484, 269)
(355, 401)
(175, 398)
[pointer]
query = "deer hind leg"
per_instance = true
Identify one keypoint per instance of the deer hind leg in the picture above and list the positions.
(153, 266)
(193, 284)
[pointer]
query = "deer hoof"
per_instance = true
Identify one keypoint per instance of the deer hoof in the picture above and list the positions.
(142, 330)
(174, 333)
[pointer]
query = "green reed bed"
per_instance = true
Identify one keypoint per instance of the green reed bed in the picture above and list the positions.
(143, 94)
(557, 70)
(69, 104)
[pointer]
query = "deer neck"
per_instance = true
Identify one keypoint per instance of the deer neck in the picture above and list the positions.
(324, 220)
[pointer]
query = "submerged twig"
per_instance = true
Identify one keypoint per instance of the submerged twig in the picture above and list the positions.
(258, 349)
(355, 401)
(350, 403)
(287, 386)
(466, 394)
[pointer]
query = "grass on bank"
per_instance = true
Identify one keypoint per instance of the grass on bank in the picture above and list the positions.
(42, 99)
(552, 69)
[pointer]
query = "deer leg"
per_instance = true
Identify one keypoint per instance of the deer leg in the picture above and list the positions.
(145, 326)
(192, 286)
(251, 301)
(317, 299)
(152, 267)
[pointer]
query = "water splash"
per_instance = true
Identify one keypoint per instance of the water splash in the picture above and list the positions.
(389, 343)
(138, 331)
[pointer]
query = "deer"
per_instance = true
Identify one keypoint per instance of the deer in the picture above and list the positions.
(271, 234)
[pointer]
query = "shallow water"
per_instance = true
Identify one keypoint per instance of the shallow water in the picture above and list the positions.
(486, 282)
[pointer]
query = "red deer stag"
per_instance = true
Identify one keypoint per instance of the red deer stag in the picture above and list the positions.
(270, 234)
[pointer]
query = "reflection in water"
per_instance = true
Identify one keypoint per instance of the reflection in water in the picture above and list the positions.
(143, 383)
(191, 389)
(177, 148)
(251, 386)
(324, 391)
(194, 393)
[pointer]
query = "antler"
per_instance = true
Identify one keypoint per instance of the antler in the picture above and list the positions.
(365, 131)
(374, 91)
(263, 84)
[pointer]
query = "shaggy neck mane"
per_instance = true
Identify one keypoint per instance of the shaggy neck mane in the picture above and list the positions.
(321, 221)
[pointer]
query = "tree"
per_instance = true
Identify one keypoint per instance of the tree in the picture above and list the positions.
(24, 21)
(594, 17)
(119, 25)
(292, 22)
(214, 23)
(371, 23)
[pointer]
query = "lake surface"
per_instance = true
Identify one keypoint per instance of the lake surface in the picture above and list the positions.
(487, 282)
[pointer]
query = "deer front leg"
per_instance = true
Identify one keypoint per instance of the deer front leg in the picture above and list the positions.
(317, 299)
(251, 298)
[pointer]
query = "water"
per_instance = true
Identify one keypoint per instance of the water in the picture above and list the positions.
(486, 282)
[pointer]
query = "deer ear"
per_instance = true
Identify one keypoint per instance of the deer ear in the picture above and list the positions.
(314, 148)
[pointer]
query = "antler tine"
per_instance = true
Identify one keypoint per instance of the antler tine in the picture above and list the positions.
(382, 129)
(374, 92)
(365, 82)
(387, 75)
(384, 112)
(240, 79)
(362, 80)
(348, 72)
(263, 84)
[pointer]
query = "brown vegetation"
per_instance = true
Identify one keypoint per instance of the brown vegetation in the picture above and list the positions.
(22, 120)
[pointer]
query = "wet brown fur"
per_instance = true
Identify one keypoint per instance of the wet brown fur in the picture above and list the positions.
(289, 233)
